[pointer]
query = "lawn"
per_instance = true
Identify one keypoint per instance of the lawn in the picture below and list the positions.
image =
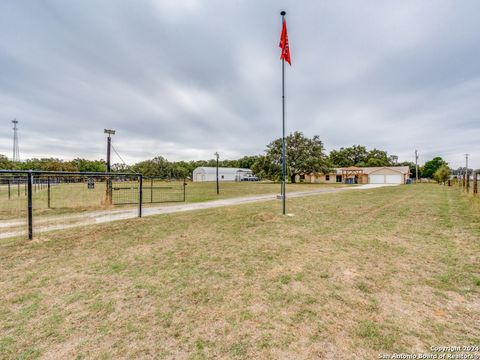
(350, 275)
(76, 197)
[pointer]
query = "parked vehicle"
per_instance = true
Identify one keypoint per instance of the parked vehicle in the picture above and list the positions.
(250, 178)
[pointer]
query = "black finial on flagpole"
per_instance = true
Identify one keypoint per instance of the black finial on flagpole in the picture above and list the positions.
(283, 13)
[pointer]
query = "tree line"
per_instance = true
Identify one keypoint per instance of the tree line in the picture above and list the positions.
(304, 155)
(158, 166)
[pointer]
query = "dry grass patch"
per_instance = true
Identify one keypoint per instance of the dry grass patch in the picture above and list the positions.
(351, 275)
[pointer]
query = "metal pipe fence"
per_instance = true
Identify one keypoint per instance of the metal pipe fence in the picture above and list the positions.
(35, 202)
(50, 199)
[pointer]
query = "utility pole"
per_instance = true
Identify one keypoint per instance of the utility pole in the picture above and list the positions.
(110, 132)
(218, 187)
(466, 163)
(416, 166)
(109, 145)
(467, 182)
(16, 151)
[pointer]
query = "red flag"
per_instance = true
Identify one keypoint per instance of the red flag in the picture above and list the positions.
(284, 44)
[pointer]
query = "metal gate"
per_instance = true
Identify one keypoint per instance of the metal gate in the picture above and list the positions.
(155, 190)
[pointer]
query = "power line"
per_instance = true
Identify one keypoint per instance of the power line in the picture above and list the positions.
(121, 159)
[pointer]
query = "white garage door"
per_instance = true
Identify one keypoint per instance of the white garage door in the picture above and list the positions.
(393, 179)
(377, 179)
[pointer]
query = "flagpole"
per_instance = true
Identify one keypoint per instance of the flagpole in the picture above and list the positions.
(284, 165)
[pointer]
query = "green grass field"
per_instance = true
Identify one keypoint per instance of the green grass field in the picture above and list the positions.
(350, 275)
(76, 197)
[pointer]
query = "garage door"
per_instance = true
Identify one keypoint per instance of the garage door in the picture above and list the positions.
(393, 179)
(377, 179)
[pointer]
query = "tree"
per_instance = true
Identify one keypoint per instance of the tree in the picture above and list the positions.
(179, 170)
(58, 165)
(119, 168)
(377, 157)
(6, 164)
(264, 167)
(432, 166)
(158, 166)
(46, 164)
(247, 162)
(358, 155)
(442, 174)
(350, 156)
(85, 165)
(393, 160)
(304, 155)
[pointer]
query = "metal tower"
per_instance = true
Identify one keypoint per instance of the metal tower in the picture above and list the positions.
(16, 151)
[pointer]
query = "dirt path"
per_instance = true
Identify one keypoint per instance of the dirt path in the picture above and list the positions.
(11, 228)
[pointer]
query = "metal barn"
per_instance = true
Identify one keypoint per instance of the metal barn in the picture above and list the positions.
(224, 174)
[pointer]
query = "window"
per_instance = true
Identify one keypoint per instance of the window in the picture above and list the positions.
(302, 177)
(223, 177)
(339, 178)
(327, 177)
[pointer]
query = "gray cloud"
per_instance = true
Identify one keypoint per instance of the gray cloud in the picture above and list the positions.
(184, 79)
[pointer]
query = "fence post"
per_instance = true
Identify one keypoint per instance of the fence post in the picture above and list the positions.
(30, 205)
(468, 181)
(48, 189)
(140, 195)
(184, 189)
(151, 190)
(109, 190)
(18, 188)
(475, 183)
(8, 181)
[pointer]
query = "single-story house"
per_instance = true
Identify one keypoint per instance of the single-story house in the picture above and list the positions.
(360, 175)
(224, 174)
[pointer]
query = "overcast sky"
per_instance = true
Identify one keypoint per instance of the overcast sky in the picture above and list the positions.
(185, 78)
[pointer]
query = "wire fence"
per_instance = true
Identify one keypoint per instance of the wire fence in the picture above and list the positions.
(35, 202)
(469, 184)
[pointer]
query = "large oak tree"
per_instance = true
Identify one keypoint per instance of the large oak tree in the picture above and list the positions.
(304, 155)
(358, 155)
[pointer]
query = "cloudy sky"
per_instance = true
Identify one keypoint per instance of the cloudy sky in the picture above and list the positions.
(186, 78)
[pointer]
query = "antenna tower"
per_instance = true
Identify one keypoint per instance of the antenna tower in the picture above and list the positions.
(16, 151)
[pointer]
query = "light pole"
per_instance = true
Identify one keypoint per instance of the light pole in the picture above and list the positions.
(110, 132)
(218, 187)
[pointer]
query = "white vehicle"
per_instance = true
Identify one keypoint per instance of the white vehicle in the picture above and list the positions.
(250, 178)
